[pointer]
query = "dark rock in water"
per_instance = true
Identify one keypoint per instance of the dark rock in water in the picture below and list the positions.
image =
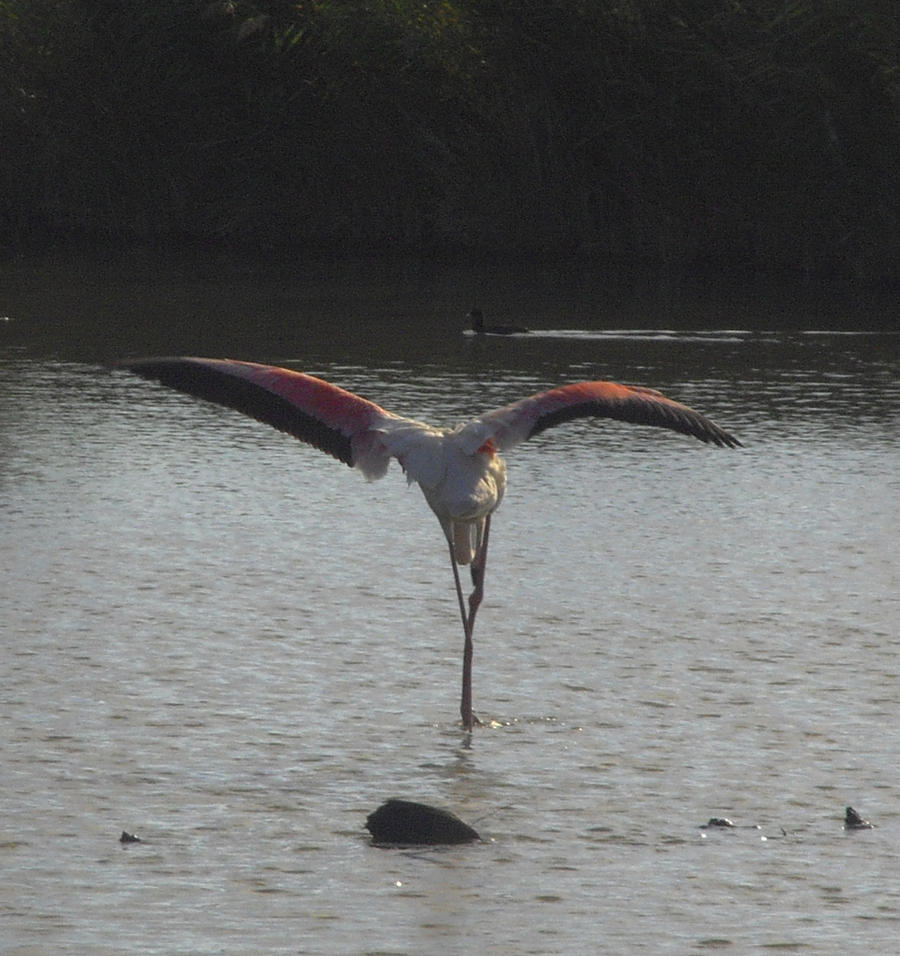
(406, 823)
(717, 822)
(127, 837)
(853, 821)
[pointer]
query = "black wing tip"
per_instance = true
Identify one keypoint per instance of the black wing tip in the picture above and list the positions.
(647, 411)
(144, 365)
(185, 373)
(719, 437)
(204, 379)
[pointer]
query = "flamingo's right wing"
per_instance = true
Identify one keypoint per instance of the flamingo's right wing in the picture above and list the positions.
(519, 421)
(315, 411)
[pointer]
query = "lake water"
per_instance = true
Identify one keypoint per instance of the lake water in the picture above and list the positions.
(233, 646)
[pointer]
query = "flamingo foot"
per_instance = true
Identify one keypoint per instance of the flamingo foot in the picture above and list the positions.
(473, 722)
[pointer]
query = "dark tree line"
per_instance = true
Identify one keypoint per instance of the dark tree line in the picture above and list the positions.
(762, 134)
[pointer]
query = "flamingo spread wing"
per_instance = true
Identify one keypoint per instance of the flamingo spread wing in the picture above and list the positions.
(315, 411)
(459, 471)
(627, 403)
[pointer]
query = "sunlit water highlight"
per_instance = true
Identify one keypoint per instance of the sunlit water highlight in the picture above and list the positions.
(236, 648)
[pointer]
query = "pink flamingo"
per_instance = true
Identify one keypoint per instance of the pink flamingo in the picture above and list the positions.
(458, 469)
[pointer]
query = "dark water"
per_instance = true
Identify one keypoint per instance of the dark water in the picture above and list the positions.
(235, 647)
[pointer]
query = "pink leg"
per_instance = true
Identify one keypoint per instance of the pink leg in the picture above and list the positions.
(459, 594)
(465, 707)
(478, 566)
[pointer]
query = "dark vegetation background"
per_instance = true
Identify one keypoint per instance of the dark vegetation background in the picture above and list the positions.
(745, 135)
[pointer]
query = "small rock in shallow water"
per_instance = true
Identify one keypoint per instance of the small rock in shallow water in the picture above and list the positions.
(717, 822)
(853, 821)
(127, 837)
(409, 824)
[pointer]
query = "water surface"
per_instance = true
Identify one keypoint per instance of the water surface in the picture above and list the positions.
(235, 647)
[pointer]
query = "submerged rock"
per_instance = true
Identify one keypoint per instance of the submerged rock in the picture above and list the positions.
(717, 822)
(406, 823)
(853, 821)
(723, 823)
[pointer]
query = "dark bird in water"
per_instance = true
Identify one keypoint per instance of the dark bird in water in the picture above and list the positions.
(853, 821)
(405, 823)
(479, 328)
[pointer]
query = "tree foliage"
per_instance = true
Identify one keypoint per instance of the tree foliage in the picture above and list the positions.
(762, 133)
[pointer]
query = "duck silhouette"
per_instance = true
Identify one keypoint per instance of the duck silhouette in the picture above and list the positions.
(476, 317)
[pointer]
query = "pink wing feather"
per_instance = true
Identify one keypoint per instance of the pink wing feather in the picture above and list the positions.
(315, 411)
(628, 403)
(363, 434)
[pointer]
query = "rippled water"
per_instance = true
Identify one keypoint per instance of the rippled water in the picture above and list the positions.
(235, 647)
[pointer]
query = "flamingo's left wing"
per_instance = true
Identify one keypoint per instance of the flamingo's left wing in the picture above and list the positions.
(329, 418)
(515, 423)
